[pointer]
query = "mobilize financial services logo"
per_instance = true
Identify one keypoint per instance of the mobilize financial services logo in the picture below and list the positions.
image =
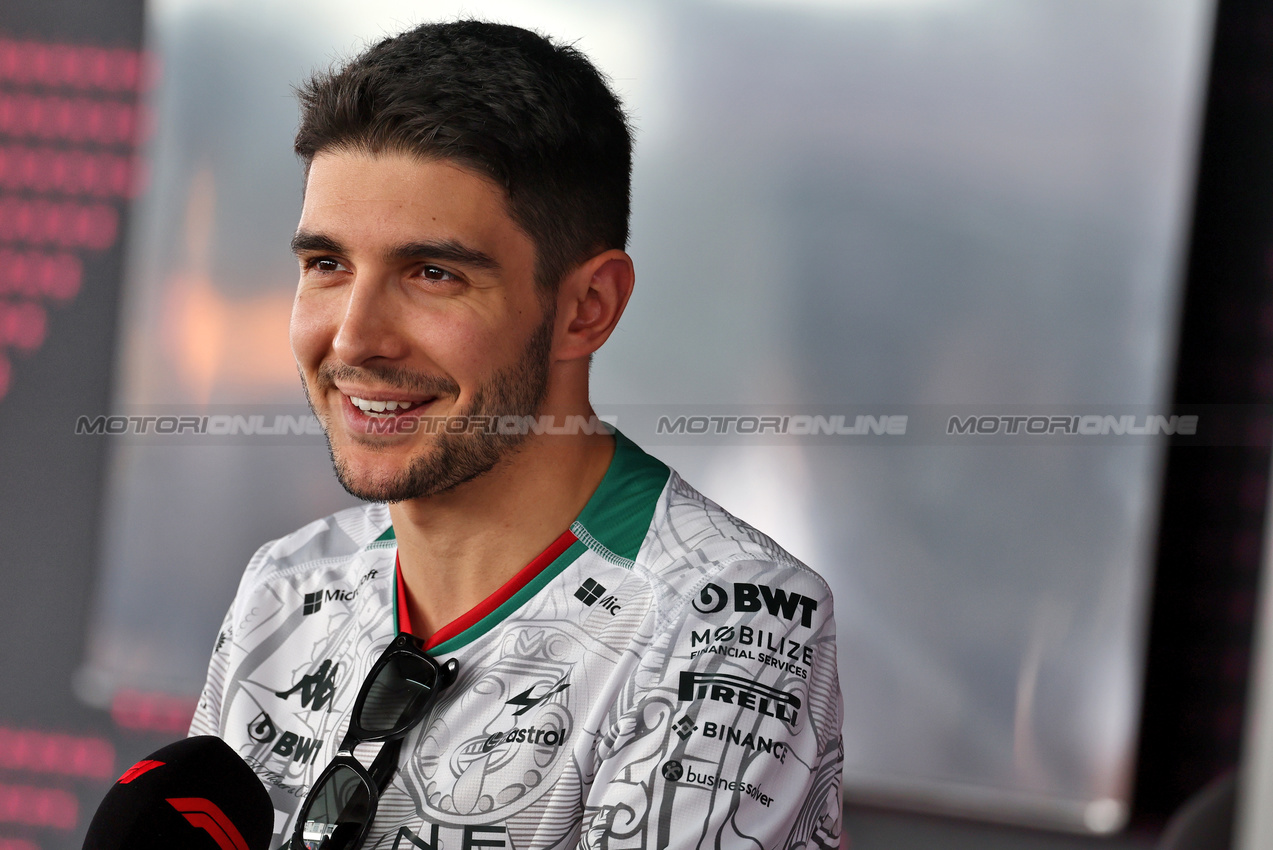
(752, 597)
(590, 591)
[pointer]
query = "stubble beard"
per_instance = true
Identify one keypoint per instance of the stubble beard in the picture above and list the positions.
(455, 458)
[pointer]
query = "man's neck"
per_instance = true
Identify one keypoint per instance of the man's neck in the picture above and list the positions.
(458, 547)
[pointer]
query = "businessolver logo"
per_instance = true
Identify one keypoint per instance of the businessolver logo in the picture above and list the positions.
(749, 598)
(741, 692)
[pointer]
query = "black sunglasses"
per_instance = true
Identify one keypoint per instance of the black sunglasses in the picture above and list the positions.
(401, 687)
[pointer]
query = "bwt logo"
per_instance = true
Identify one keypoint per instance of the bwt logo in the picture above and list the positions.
(296, 747)
(752, 597)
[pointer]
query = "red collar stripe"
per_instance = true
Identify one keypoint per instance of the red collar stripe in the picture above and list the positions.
(490, 603)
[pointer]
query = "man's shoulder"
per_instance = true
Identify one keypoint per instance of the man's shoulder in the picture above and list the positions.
(693, 542)
(336, 537)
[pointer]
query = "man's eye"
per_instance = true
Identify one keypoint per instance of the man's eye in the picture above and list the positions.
(435, 273)
(324, 264)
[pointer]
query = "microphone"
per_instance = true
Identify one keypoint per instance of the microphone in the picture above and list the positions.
(196, 794)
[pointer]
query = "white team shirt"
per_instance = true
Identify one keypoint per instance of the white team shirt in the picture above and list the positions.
(663, 676)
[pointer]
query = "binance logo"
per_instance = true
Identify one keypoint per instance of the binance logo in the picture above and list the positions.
(685, 727)
(589, 592)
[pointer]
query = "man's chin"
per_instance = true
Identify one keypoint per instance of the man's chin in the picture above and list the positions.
(436, 472)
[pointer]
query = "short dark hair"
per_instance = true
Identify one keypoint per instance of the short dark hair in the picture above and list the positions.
(535, 116)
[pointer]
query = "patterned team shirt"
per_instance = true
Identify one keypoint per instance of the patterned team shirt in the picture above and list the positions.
(663, 676)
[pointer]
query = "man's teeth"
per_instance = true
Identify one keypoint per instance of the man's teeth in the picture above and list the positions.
(380, 406)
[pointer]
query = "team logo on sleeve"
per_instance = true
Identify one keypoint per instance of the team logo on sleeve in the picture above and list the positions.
(744, 693)
(753, 597)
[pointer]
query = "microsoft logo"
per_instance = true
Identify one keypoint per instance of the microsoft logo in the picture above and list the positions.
(589, 592)
(313, 601)
(685, 727)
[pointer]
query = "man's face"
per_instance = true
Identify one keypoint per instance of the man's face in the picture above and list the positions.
(416, 299)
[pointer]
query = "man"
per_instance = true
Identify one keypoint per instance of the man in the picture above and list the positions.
(636, 667)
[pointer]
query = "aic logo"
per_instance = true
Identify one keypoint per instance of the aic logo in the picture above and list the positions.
(299, 749)
(590, 591)
(752, 597)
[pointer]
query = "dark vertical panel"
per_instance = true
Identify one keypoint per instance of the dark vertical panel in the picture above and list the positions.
(69, 86)
(1214, 498)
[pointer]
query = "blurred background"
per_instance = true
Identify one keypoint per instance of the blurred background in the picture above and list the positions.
(941, 210)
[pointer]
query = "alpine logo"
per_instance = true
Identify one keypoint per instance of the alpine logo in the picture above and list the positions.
(314, 601)
(527, 702)
(317, 689)
(590, 591)
(753, 597)
(744, 693)
(289, 745)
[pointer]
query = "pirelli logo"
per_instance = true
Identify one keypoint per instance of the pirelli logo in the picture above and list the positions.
(744, 693)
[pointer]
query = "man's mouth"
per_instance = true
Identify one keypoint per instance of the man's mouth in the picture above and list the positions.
(384, 408)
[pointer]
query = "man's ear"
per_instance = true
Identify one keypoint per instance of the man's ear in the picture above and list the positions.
(590, 300)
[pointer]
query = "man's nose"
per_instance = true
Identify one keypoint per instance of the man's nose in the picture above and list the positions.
(369, 327)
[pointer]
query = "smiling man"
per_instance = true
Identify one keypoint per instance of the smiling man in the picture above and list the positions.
(636, 667)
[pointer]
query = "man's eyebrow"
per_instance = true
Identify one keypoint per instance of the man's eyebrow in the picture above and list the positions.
(447, 251)
(305, 242)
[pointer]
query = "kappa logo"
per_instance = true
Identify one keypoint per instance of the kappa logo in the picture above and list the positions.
(744, 693)
(289, 745)
(317, 689)
(590, 591)
(752, 597)
(527, 702)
